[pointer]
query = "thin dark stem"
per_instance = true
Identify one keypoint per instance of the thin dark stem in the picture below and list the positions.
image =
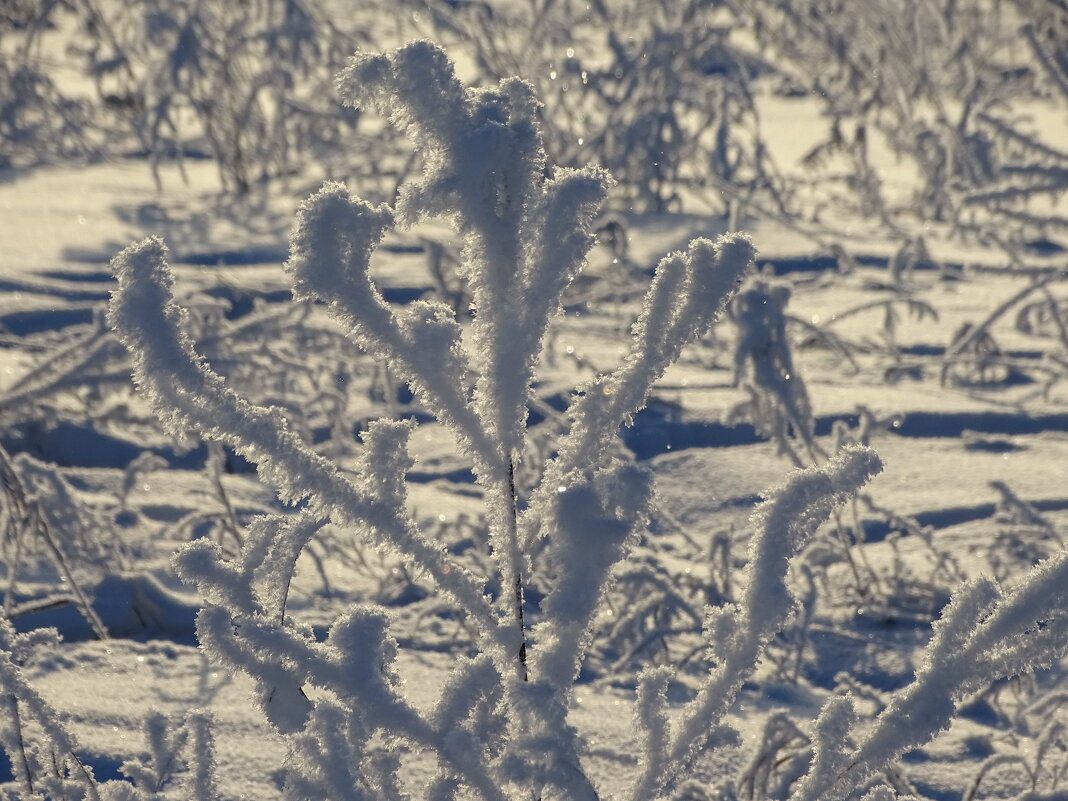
(230, 524)
(33, 517)
(45, 530)
(518, 585)
(16, 722)
(522, 628)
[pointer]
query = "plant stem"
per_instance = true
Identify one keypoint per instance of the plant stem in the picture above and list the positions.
(518, 584)
(16, 723)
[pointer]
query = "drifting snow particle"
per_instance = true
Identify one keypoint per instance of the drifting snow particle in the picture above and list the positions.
(685, 381)
(81, 220)
(441, 518)
(570, 52)
(581, 140)
(815, 319)
(669, 446)
(561, 488)
(609, 389)
(570, 349)
(140, 659)
(585, 77)
(615, 261)
(785, 376)
(446, 568)
(552, 75)
(146, 487)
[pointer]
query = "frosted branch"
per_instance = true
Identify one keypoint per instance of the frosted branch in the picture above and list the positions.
(525, 236)
(1053, 70)
(187, 394)
(593, 521)
(981, 637)
(784, 524)
(14, 687)
(690, 290)
(330, 252)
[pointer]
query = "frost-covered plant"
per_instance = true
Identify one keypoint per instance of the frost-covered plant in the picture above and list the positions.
(37, 121)
(282, 354)
(41, 518)
(973, 355)
(500, 727)
(247, 83)
(779, 760)
(176, 745)
(658, 93)
(917, 586)
(40, 119)
(1024, 538)
(44, 753)
(778, 404)
(980, 164)
(653, 616)
(1032, 743)
(47, 766)
(891, 309)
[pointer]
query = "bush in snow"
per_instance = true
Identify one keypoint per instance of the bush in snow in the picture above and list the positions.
(984, 165)
(247, 83)
(42, 519)
(500, 727)
(44, 754)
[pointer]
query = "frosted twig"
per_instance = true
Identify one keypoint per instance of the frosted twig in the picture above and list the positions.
(1053, 70)
(738, 633)
(188, 394)
(982, 636)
